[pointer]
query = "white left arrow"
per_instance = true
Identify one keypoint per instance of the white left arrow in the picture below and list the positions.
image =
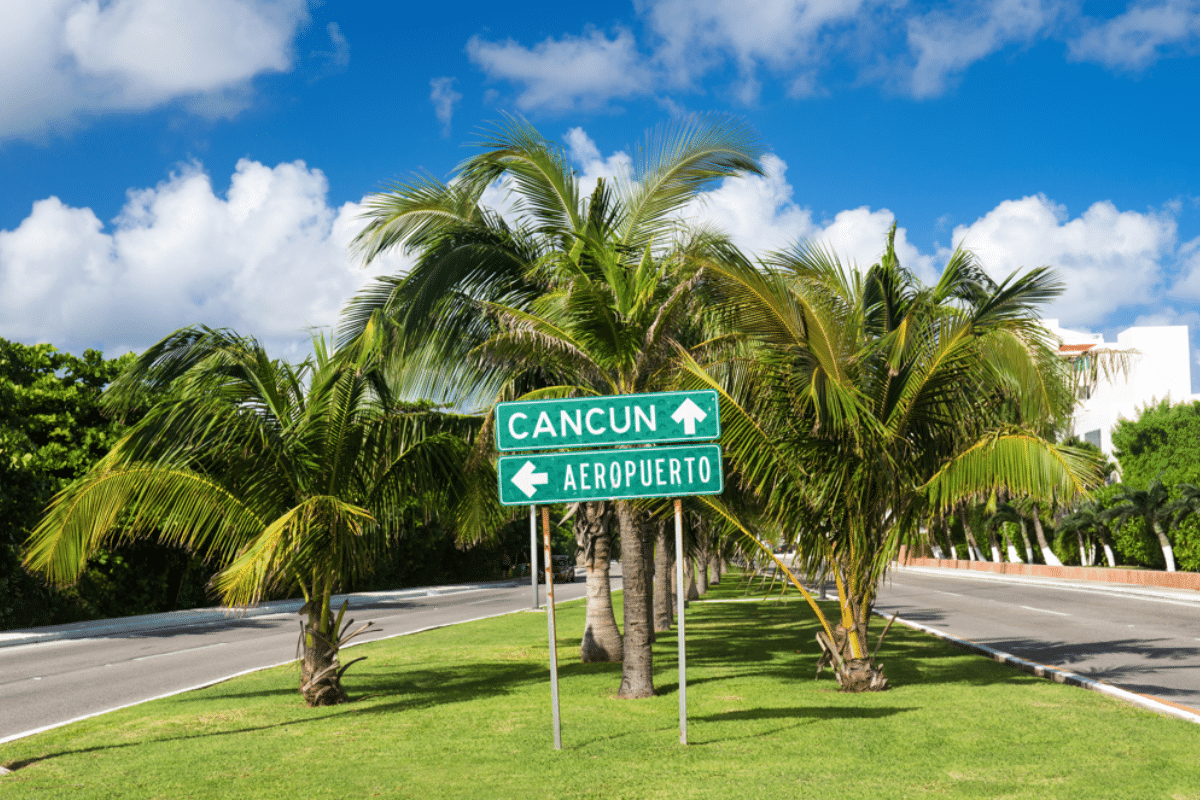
(689, 414)
(526, 479)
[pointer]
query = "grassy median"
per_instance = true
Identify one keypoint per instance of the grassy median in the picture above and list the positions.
(465, 712)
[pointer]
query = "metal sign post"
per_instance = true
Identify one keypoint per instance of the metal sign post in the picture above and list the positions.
(533, 554)
(679, 595)
(550, 622)
(679, 469)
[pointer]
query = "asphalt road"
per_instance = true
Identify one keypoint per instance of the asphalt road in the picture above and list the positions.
(48, 683)
(1144, 640)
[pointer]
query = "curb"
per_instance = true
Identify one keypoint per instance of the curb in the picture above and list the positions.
(1175, 596)
(1054, 673)
(200, 616)
(1119, 576)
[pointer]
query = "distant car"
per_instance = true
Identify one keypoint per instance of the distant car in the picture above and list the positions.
(562, 569)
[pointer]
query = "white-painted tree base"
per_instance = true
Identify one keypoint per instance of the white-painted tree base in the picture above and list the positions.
(1013, 556)
(1108, 554)
(1051, 559)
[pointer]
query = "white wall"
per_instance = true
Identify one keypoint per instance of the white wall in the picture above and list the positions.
(1160, 368)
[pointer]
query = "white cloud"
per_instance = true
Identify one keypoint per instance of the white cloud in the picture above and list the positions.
(63, 60)
(760, 215)
(917, 48)
(339, 56)
(444, 99)
(946, 42)
(697, 35)
(583, 151)
(1141, 35)
(1113, 262)
(268, 259)
(1188, 285)
(1108, 259)
(571, 72)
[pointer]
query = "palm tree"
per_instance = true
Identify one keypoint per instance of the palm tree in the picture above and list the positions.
(287, 477)
(869, 401)
(1006, 513)
(1151, 504)
(1089, 518)
(1034, 508)
(1187, 504)
(576, 295)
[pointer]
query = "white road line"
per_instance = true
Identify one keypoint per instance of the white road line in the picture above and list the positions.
(1045, 611)
(177, 652)
(172, 693)
(952, 594)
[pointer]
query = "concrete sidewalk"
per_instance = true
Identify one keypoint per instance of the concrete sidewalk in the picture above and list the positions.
(1187, 581)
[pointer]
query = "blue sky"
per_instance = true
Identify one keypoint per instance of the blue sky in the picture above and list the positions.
(166, 162)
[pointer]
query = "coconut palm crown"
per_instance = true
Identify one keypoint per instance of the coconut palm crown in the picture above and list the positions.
(287, 477)
(867, 401)
(573, 293)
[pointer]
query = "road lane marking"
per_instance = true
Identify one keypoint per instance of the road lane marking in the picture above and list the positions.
(952, 594)
(1045, 611)
(177, 652)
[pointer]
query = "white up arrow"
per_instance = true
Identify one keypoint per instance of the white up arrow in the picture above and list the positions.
(526, 479)
(689, 414)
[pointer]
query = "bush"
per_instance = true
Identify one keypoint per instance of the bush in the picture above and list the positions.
(1137, 546)
(1186, 539)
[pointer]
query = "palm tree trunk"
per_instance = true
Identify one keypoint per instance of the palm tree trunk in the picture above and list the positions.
(1165, 543)
(689, 575)
(972, 545)
(1107, 542)
(1013, 556)
(702, 572)
(714, 570)
(637, 669)
(935, 543)
(995, 545)
(663, 618)
(601, 639)
(1047, 553)
(1025, 538)
(320, 672)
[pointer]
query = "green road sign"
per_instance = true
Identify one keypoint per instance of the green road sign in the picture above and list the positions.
(653, 418)
(542, 478)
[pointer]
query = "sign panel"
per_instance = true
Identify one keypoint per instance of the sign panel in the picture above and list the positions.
(544, 478)
(654, 418)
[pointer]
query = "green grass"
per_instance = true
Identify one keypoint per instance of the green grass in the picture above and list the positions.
(465, 712)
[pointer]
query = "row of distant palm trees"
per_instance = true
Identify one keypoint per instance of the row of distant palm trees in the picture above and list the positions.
(856, 404)
(1091, 522)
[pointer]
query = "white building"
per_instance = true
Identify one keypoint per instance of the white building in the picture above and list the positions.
(1158, 363)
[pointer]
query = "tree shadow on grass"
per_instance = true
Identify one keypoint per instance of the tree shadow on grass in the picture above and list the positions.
(778, 641)
(25, 762)
(418, 688)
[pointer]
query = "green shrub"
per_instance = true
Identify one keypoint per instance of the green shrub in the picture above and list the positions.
(1137, 546)
(1186, 539)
